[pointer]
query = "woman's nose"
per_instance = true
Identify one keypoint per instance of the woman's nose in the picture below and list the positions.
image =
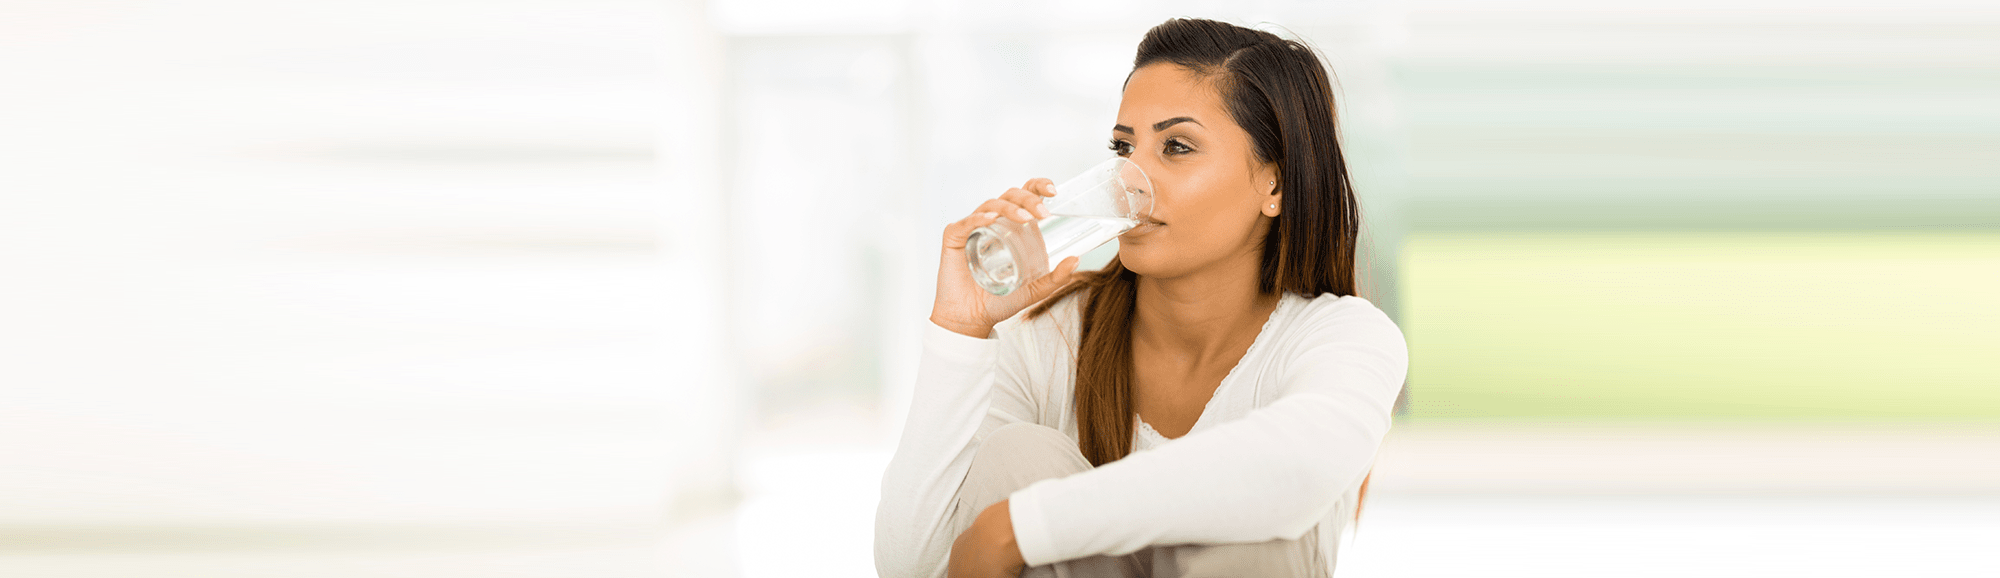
(1152, 183)
(1148, 167)
(1153, 175)
(1145, 164)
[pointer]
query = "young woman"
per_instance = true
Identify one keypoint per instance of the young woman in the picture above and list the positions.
(1210, 403)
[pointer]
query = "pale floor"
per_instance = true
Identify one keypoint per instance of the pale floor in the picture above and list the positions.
(1534, 500)
(1434, 513)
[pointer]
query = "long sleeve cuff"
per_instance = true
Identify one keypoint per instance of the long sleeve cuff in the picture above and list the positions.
(1031, 528)
(958, 348)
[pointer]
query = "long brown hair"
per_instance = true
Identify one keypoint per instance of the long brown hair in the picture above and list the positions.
(1278, 91)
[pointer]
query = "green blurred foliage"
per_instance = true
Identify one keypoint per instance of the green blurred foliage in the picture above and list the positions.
(1698, 325)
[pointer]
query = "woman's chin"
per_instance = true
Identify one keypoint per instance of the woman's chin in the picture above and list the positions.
(1138, 258)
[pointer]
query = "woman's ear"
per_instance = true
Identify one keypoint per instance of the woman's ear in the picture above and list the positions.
(1274, 194)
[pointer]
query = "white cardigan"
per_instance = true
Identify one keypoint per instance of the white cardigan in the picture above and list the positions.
(1280, 449)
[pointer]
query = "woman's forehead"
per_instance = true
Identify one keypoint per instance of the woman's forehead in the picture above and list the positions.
(1161, 91)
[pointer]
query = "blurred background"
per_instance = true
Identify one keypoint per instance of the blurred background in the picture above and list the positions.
(632, 288)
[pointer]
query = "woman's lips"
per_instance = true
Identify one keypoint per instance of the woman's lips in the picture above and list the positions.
(1145, 227)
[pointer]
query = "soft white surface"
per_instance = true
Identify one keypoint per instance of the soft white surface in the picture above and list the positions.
(1555, 536)
(1434, 513)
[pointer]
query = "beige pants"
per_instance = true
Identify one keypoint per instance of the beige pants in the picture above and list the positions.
(1019, 454)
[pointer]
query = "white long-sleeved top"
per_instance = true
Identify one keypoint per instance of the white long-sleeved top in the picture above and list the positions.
(1280, 449)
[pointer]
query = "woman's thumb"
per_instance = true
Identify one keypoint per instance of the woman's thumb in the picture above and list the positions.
(1049, 283)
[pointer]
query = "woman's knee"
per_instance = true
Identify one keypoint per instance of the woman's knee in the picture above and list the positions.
(1015, 455)
(1033, 447)
(1010, 458)
(1034, 436)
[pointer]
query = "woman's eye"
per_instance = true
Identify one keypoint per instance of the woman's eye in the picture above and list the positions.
(1122, 148)
(1175, 147)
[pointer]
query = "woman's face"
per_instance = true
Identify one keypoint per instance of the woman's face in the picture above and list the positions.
(1211, 195)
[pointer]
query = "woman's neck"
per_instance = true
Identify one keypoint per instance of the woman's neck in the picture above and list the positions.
(1204, 316)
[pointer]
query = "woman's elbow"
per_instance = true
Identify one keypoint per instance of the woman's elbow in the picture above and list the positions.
(1321, 484)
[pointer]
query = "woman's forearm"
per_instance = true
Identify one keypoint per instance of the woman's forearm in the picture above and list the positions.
(954, 380)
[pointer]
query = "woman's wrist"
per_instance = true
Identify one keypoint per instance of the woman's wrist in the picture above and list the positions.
(966, 329)
(988, 547)
(1003, 529)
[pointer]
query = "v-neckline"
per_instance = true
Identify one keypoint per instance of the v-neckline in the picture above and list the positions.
(1284, 299)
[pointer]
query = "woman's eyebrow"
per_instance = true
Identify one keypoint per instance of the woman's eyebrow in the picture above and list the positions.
(1160, 126)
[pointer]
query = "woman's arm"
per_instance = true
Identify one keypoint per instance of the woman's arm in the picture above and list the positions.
(920, 486)
(966, 387)
(1271, 474)
(954, 391)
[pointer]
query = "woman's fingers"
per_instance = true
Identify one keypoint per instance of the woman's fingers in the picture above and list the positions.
(1039, 186)
(1020, 205)
(1007, 208)
(1041, 288)
(1026, 199)
(956, 233)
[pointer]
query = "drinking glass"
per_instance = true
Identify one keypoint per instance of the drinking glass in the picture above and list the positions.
(1088, 210)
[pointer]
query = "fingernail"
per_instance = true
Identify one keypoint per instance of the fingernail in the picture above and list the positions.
(1025, 215)
(989, 214)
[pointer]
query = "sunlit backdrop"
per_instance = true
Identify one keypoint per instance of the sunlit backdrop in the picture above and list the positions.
(623, 288)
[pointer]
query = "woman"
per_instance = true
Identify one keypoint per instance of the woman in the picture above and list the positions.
(1210, 403)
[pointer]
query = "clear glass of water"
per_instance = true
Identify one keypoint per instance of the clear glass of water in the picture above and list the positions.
(1088, 210)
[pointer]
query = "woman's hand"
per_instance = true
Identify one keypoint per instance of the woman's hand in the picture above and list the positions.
(987, 549)
(961, 305)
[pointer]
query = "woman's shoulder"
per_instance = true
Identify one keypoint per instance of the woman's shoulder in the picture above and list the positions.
(1338, 317)
(1330, 303)
(1340, 340)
